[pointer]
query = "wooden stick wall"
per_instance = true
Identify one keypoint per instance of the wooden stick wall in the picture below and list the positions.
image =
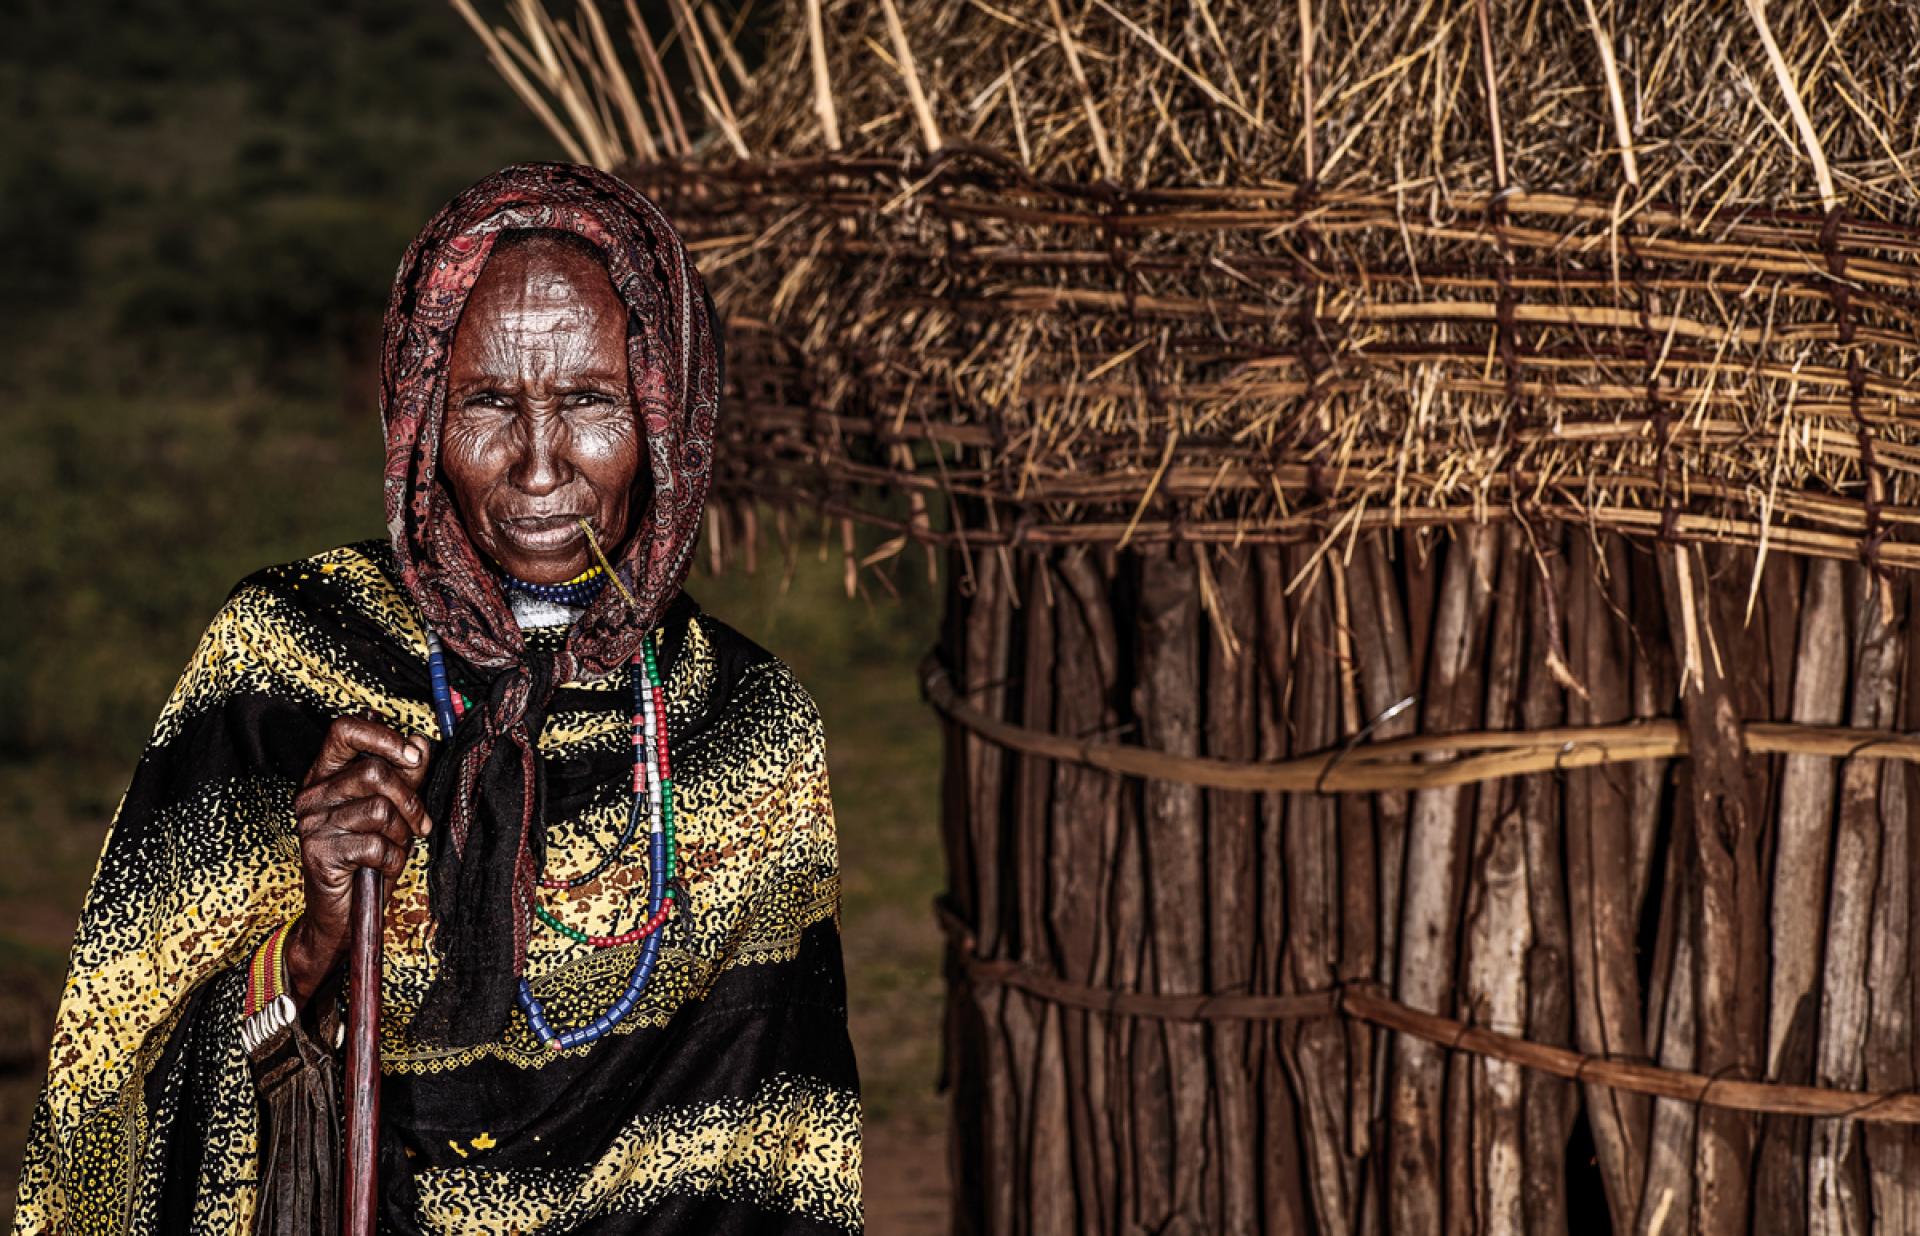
(1743, 916)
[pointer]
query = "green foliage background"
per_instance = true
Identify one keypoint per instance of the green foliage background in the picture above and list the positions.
(201, 208)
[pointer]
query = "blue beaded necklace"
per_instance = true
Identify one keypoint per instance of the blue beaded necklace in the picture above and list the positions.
(652, 795)
(577, 592)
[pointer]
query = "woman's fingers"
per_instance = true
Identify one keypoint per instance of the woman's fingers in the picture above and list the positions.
(374, 815)
(349, 738)
(373, 850)
(368, 776)
(367, 832)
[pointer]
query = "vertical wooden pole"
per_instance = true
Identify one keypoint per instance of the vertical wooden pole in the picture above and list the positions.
(983, 1115)
(1231, 875)
(1722, 800)
(363, 1058)
(1138, 1114)
(1081, 862)
(1666, 1202)
(1032, 1027)
(961, 1069)
(1803, 823)
(1892, 1156)
(1431, 894)
(1384, 674)
(1599, 855)
(1653, 687)
(1549, 1103)
(1359, 854)
(1838, 1192)
(1168, 705)
(1903, 812)
(1386, 679)
(1498, 935)
(1316, 1050)
(1803, 839)
(1283, 1187)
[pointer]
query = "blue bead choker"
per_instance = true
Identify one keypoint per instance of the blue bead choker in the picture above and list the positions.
(577, 592)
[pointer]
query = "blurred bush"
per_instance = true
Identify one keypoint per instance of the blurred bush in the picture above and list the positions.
(200, 214)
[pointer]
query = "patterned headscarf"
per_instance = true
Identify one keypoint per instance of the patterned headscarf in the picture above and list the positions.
(487, 791)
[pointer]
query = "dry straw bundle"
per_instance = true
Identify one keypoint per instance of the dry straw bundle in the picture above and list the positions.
(1429, 486)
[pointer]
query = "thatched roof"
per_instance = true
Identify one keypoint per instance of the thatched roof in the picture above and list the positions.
(1227, 272)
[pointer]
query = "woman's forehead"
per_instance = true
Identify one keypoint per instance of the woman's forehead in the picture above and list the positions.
(539, 274)
(541, 311)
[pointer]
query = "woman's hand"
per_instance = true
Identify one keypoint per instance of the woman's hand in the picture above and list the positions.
(359, 807)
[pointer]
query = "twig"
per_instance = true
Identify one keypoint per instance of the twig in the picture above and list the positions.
(929, 132)
(659, 89)
(1383, 766)
(1206, 87)
(1616, 98)
(521, 86)
(1829, 198)
(616, 77)
(713, 94)
(1099, 130)
(822, 84)
(1487, 68)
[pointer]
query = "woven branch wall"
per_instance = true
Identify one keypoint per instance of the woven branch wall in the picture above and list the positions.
(1733, 916)
(1284, 365)
(1427, 493)
(1272, 271)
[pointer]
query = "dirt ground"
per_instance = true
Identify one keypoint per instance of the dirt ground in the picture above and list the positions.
(906, 1183)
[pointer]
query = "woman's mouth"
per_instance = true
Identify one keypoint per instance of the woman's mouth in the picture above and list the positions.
(541, 533)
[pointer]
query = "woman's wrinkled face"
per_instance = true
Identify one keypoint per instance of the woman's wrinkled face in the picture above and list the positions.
(540, 429)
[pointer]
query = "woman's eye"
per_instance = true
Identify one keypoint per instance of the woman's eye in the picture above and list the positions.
(588, 399)
(485, 399)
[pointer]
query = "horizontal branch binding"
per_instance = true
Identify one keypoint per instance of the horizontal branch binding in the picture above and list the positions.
(1410, 763)
(1364, 1002)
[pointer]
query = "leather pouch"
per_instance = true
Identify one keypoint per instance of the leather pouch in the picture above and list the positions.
(298, 1082)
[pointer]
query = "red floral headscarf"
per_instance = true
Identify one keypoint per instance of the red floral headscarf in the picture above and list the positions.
(487, 789)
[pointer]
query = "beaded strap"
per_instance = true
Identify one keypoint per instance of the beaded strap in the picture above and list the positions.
(448, 705)
(267, 971)
(619, 847)
(655, 922)
(269, 1008)
(442, 693)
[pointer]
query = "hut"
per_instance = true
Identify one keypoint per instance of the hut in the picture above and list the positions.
(1423, 491)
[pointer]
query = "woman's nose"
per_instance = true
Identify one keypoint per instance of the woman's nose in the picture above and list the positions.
(542, 465)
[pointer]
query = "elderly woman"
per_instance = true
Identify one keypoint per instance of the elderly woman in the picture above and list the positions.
(613, 997)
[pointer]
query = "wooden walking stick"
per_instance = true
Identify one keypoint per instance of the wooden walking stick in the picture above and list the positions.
(363, 1058)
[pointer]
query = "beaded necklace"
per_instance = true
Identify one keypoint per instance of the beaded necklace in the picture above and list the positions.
(652, 795)
(578, 591)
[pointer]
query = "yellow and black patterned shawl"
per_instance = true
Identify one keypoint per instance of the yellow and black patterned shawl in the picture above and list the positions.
(727, 1102)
